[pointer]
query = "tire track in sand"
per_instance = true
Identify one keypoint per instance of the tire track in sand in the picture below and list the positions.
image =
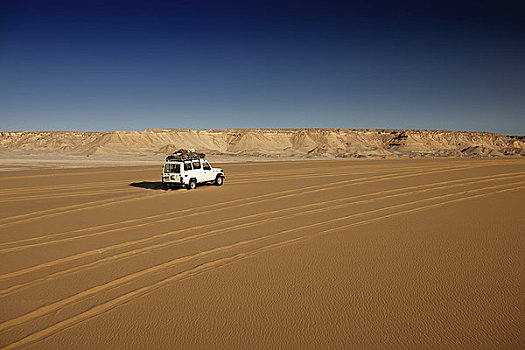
(95, 205)
(280, 194)
(101, 183)
(70, 208)
(73, 191)
(89, 205)
(4, 223)
(112, 171)
(95, 252)
(128, 189)
(199, 212)
(462, 182)
(71, 187)
(64, 195)
(108, 305)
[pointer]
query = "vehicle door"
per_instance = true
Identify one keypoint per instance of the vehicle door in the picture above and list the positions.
(207, 170)
(197, 170)
(188, 171)
(173, 171)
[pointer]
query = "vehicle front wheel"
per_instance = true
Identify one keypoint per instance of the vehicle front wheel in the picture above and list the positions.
(219, 180)
(192, 185)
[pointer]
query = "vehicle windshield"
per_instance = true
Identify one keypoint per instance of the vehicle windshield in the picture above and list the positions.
(172, 168)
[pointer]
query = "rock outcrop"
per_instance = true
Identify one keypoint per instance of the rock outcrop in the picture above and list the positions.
(268, 143)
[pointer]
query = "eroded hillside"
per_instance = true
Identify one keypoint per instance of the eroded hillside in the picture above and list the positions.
(267, 143)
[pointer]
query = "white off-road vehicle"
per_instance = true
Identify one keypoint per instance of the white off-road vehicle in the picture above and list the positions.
(189, 169)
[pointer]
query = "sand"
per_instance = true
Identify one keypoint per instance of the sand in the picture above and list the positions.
(369, 254)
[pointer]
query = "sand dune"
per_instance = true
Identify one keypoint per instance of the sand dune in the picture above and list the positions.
(325, 254)
(263, 143)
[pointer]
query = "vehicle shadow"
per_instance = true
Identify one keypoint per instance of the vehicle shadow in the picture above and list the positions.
(153, 185)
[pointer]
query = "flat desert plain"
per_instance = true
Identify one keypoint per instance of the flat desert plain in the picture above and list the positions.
(366, 254)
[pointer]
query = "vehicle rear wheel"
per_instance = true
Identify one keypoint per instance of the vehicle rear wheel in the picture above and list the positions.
(192, 185)
(219, 180)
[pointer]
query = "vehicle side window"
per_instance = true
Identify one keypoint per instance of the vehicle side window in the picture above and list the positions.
(187, 166)
(196, 165)
(206, 166)
(172, 168)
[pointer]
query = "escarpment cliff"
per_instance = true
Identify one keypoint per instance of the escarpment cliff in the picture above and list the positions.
(267, 143)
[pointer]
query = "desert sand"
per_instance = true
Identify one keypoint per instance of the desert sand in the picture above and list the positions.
(347, 254)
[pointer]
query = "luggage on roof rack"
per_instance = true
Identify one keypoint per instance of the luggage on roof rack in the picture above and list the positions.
(184, 154)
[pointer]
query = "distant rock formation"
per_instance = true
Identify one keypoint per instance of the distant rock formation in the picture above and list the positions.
(268, 143)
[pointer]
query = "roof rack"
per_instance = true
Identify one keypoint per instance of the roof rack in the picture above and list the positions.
(184, 154)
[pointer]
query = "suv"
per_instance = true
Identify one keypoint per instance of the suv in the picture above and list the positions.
(189, 171)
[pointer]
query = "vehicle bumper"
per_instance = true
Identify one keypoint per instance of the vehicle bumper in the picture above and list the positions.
(169, 180)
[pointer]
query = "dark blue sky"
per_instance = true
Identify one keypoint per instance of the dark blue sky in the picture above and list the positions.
(132, 65)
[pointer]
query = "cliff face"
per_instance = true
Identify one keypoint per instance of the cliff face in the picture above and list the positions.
(268, 143)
